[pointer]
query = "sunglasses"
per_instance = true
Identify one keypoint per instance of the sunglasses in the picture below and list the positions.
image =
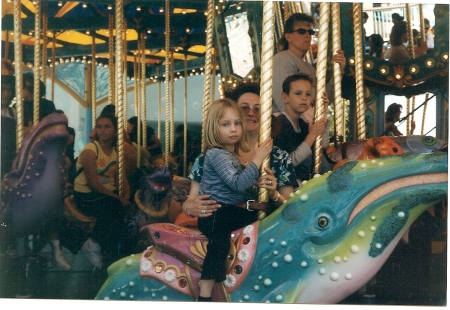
(303, 31)
(247, 109)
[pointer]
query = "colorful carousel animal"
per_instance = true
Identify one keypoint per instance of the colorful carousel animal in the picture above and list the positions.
(158, 200)
(33, 190)
(32, 195)
(323, 244)
(354, 149)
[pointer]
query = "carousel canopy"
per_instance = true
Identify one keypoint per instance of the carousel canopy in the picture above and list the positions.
(71, 26)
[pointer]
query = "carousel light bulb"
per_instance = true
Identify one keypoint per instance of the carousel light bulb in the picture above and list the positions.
(238, 7)
(138, 8)
(161, 10)
(109, 7)
(183, 11)
(60, 3)
(88, 32)
(84, 5)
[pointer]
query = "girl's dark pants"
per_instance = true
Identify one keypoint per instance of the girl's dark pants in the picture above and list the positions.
(218, 228)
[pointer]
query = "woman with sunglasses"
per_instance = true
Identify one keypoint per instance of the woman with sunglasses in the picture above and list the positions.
(294, 45)
(280, 179)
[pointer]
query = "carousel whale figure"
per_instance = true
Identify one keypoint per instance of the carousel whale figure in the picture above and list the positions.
(323, 244)
(353, 149)
(32, 191)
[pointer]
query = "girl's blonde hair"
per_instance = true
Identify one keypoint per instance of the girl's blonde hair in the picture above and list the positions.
(211, 125)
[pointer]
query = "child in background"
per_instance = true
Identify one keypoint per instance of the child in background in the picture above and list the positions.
(226, 181)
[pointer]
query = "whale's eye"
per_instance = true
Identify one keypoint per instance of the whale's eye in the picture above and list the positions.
(323, 222)
(429, 141)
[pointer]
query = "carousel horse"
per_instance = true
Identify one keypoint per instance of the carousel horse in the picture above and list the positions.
(33, 190)
(323, 244)
(159, 199)
(353, 150)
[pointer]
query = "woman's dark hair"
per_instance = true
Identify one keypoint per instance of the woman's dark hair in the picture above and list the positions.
(109, 109)
(289, 25)
(29, 77)
(113, 120)
(391, 111)
(244, 88)
(377, 45)
(397, 32)
(296, 77)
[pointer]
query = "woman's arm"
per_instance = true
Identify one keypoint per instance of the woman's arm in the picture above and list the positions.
(89, 163)
(195, 203)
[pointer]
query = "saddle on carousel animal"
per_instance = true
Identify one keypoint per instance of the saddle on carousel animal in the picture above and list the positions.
(323, 244)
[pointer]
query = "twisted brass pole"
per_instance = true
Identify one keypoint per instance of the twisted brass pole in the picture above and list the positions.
(94, 83)
(424, 113)
(208, 65)
(423, 34)
(409, 30)
(138, 98)
(119, 94)
(111, 66)
(337, 74)
(167, 83)
(360, 104)
(52, 85)
(322, 53)
(266, 85)
(37, 62)
(18, 70)
(185, 116)
(44, 42)
(144, 94)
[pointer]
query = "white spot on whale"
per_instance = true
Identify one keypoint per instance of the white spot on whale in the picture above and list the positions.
(361, 234)
(279, 298)
(373, 228)
(334, 276)
(363, 165)
(275, 265)
(320, 261)
(322, 271)
(401, 214)
(348, 276)
(337, 259)
(304, 264)
(267, 282)
(354, 249)
(288, 258)
(373, 217)
(304, 197)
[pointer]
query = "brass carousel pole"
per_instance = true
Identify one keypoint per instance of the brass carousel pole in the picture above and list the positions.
(185, 115)
(143, 94)
(266, 86)
(125, 74)
(37, 62)
(424, 113)
(44, 42)
(337, 74)
(137, 97)
(167, 84)
(423, 36)
(207, 100)
(360, 104)
(94, 83)
(18, 70)
(172, 99)
(111, 66)
(119, 94)
(52, 84)
(322, 52)
(409, 101)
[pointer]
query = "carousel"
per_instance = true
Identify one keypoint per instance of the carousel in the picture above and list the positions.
(345, 236)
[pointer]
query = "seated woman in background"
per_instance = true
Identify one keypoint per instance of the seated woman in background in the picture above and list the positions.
(96, 190)
(398, 52)
(392, 116)
(376, 45)
(281, 176)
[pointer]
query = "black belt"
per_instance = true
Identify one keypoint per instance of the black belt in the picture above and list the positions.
(252, 205)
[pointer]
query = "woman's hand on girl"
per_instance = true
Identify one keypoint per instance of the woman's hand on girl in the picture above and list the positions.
(202, 206)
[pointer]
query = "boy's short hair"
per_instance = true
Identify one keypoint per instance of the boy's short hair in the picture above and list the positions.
(296, 77)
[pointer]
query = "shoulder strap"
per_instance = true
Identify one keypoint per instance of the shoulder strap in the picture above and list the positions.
(96, 156)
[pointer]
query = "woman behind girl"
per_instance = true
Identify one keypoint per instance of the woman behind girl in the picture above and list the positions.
(95, 190)
(226, 181)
